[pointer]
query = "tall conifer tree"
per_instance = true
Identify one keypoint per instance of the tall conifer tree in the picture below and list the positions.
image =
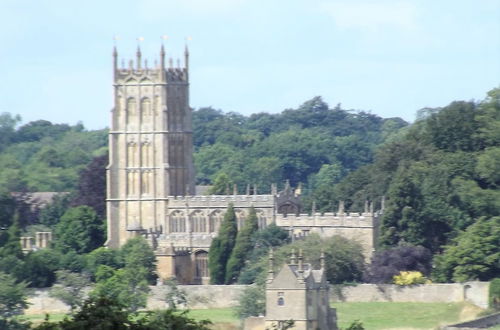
(242, 248)
(221, 247)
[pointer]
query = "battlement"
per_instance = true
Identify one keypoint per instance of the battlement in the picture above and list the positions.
(158, 72)
(221, 200)
(351, 219)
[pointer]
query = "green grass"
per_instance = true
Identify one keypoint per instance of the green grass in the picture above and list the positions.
(386, 315)
(373, 315)
(216, 315)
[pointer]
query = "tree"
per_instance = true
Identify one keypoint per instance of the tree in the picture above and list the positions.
(80, 229)
(40, 266)
(127, 286)
(69, 288)
(13, 298)
(473, 255)
(136, 253)
(388, 263)
(221, 247)
(92, 185)
(242, 247)
(252, 302)
(102, 256)
(51, 214)
(221, 185)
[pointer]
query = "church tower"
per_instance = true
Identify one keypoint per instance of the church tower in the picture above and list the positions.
(150, 145)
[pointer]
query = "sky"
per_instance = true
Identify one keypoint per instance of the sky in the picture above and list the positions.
(390, 58)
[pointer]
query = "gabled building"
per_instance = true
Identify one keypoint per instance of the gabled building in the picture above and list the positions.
(299, 293)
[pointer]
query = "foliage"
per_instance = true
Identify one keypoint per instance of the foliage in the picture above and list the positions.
(7, 210)
(102, 313)
(494, 294)
(69, 288)
(136, 252)
(11, 245)
(343, 258)
(242, 247)
(174, 296)
(127, 286)
(91, 190)
(169, 319)
(270, 237)
(221, 247)
(40, 266)
(410, 278)
(51, 214)
(355, 325)
(473, 255)
(13, 298)
(80, 230)
(102, 256)
(41, 156)
(221, 185)
(388, 263)
(252, 302)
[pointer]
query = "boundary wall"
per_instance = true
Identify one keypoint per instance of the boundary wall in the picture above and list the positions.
(223, 296)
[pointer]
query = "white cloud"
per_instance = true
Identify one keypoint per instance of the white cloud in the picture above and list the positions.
(372, 16)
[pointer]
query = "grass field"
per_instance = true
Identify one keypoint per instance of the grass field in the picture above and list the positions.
(373, 315)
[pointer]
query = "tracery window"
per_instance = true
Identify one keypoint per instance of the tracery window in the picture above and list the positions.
(214, 221)
(177, 222)
(198, 222)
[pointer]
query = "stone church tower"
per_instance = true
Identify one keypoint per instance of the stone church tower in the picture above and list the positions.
(150, 145)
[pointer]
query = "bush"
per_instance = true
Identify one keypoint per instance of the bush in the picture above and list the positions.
(410, 278)
(389, 263)
(494, 294)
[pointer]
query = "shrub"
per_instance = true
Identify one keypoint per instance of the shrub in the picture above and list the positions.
(494, 294)
(410, 278)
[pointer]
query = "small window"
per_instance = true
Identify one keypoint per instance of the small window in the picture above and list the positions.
(281, 301)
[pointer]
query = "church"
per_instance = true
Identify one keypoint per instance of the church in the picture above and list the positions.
(151, 178)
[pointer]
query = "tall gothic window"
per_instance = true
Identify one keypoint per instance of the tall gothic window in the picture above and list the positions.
(214, 220)
(240, 218)
(146, 115)
(261, 219)
(177, 222)
(132, 154)
(198, 222)
(146, 154)
(201, 264)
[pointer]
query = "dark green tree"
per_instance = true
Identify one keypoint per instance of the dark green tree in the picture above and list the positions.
(221, 247)
(13, 296)
(242, 248)
(80, 230)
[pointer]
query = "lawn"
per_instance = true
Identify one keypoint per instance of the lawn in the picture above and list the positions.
(373, 315)
(387, 315)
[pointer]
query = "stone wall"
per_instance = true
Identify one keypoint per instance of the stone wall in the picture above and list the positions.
(473, 292)
(223, 296)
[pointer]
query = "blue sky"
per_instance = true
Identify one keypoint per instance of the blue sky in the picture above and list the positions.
(388, 57)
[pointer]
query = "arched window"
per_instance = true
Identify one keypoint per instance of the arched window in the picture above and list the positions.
(261, 219)
(201, 264)
(146, 114)
(177, 222)
(214, 221)
(240, 218)
(281, 301)
(131, 107)
(198, 222)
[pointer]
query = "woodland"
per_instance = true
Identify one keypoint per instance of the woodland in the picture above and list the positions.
(439, 176)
